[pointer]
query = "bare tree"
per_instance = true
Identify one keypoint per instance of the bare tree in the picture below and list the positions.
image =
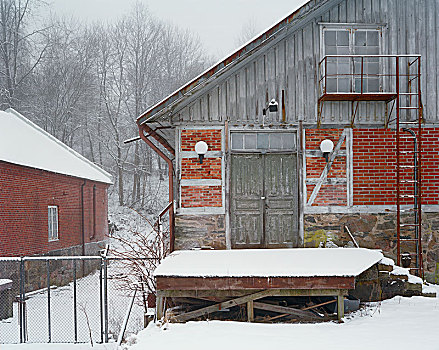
(20, 50)
(248, 31)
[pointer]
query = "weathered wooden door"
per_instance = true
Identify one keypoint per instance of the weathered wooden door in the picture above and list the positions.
(264, 200)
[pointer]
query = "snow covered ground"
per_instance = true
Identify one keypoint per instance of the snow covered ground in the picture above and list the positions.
(398, 323)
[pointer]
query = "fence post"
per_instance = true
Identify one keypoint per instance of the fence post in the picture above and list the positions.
(101, 294)
(75, 311)
(106, 297)
(21, 308)
(49, 326)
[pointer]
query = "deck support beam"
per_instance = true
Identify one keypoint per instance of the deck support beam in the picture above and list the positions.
(340, 306)
(250, 311)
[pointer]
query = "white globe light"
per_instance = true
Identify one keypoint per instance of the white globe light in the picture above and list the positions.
(326, 146)
(201, 147)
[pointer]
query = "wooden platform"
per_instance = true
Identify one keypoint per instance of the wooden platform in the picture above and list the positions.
(244, 276)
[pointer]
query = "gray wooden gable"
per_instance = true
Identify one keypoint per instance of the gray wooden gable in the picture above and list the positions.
(285, 67)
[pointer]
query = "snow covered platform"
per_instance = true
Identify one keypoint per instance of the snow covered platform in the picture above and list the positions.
(258, 273)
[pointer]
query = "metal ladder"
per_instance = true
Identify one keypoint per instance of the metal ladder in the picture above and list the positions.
(409, 164)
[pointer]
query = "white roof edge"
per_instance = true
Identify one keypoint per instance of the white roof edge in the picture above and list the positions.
(106, 175)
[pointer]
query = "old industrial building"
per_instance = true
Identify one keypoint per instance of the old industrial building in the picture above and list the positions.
(362, 74)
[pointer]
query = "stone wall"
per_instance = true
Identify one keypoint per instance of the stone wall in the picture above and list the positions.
(370, 231)
(61, 271)
(198, 231)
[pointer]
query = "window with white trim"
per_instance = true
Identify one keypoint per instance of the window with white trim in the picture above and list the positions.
(344, 74)
(53, 222)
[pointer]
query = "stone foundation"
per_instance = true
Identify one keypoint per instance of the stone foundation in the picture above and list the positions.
(375, 231)
(198, 231)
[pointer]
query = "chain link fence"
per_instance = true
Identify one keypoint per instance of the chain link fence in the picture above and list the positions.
(67, 300)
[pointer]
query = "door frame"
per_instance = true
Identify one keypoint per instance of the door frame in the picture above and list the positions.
(299, 132)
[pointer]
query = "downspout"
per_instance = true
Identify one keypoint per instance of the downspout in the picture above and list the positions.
(171, 185)
(92, 236)
(82, 217)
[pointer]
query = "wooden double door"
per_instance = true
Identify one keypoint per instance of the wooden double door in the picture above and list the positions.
(264, 200)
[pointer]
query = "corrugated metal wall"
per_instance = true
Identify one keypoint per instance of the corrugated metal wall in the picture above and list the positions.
(288, 71)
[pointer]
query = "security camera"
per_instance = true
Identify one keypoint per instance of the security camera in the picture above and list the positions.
(272, 106)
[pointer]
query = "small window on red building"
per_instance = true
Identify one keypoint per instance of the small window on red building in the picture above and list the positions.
(53, 222)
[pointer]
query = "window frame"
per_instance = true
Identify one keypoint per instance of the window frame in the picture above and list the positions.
(52, 224)
(352, 28)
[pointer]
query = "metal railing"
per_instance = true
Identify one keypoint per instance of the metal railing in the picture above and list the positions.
(364, 74)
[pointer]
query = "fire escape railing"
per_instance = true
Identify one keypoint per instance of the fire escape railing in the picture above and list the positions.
(396, 81)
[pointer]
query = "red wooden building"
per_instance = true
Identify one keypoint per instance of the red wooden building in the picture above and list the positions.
(52, 199)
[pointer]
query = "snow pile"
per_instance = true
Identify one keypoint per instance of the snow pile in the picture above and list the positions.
(297, 262)
(24, 143)
(387, 261)
(400, 271)
(398, 323)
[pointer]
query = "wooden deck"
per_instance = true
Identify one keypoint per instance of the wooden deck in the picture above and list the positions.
(215, 276)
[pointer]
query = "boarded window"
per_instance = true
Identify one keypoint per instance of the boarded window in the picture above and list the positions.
(53, 222)
(263, 141)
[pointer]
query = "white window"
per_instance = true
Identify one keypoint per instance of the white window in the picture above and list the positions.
(53, 222)
(344, 74)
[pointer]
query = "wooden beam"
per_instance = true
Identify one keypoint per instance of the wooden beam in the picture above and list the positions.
(259, 283)
(285, 310)
(224, 305)
(250, 311)
(340, 306)
(325, 171)
(200, 294)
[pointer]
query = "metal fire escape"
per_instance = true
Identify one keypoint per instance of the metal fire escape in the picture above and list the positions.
(399, 81)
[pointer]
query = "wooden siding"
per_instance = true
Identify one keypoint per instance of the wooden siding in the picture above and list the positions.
(287, 69)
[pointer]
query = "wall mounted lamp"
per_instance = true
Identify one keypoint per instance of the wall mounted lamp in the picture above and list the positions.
(201, 148)
(326, 146)
(272, 107)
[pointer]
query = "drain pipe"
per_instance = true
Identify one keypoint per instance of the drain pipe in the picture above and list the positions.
(82, 217)
(171, 185)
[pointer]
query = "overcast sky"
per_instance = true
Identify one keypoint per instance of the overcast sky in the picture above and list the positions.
(217, 23)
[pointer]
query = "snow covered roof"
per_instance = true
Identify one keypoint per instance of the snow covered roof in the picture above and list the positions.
(24, 143)
(296, 262)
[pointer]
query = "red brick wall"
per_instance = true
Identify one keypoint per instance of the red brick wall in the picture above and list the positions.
(211, 136)
(191, 169)
(329, 194)
(25, 194)
(375, 166)
(201, 196)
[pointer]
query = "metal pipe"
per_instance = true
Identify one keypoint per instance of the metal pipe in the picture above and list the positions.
(49, 323)
(398, 213)
(125, 321)
(75, 313)
(82, 218)
(420, 116)
(171, 185)
(94, 213)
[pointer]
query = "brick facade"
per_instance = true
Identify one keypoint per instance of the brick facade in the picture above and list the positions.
(26, 193)
(196, 196)
(374, 167)
(330, 193)
(374, 159)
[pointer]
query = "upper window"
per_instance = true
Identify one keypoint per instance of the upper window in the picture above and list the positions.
(263, 141)
(53, 222)
(352, 74)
